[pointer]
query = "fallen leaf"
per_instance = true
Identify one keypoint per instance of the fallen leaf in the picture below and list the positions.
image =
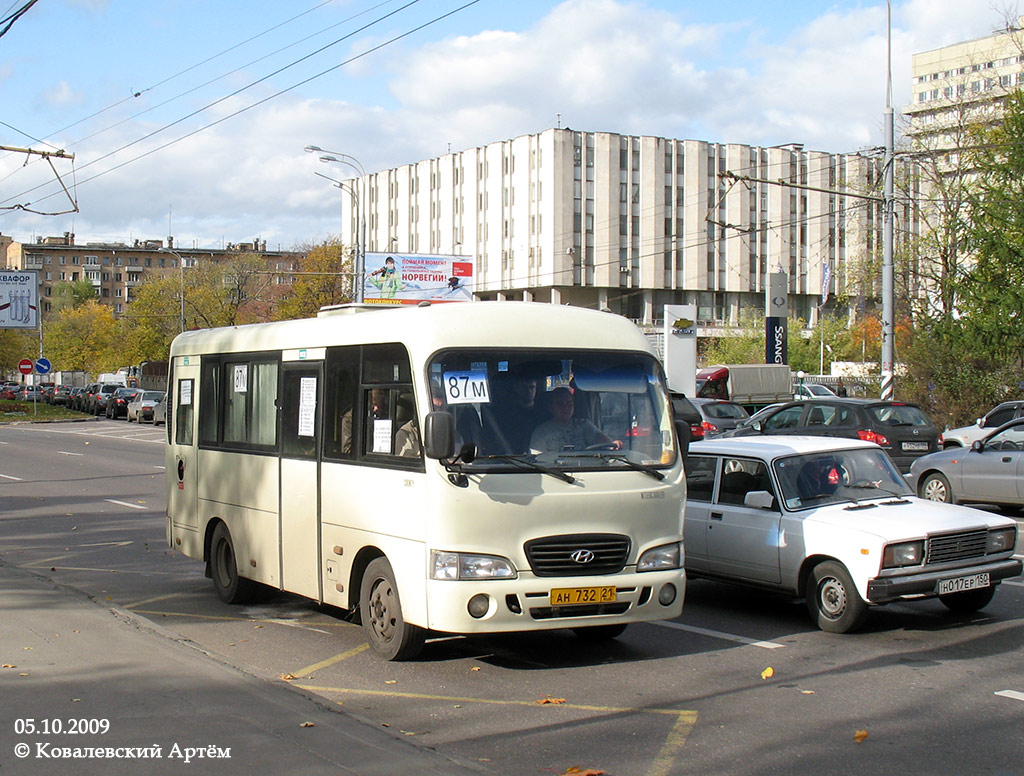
(807, 692)
(288, 677)
(22, 674)
(860, 735)
(550, 700)
(8, 665)
(768, 673)
(574, 771)
(307, 724)
(476, 668)
(390, 681)
(258, 626)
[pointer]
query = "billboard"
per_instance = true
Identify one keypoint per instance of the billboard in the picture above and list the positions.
(411, 278)
(19, 299)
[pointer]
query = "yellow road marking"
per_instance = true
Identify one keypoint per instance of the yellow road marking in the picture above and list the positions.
(670, 750)
(329, 661)
(673, 745)
(154, 600)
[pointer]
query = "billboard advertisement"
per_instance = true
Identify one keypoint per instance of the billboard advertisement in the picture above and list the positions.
(19, 299)
(411, 278)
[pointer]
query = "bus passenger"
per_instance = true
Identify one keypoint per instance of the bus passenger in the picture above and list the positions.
(564, 432)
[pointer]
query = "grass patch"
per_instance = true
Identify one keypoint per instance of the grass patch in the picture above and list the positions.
(24, 410)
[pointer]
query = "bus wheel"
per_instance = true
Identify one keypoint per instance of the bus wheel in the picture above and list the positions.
(596, 633)
(380, 610)
(231, 588)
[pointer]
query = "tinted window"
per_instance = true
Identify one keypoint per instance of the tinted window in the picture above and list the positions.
(785, 418)
(898, 415)
(999, 417)
(700, 477)
(724, 410)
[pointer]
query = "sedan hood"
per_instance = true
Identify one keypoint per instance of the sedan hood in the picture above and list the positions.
(892, 519)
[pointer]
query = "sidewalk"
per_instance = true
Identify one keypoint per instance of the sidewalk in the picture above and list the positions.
(111, 693)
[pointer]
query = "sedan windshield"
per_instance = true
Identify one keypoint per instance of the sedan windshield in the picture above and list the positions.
(559, 408)
(838, 476)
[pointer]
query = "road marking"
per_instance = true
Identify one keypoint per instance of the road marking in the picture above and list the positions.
(673, 745)
(303, 672)
(662, 765)
(65, 452)
(125, 504)
(9, 477)
(720, 635)
(1017, 696)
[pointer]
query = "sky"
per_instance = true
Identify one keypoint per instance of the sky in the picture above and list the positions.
(190, 117)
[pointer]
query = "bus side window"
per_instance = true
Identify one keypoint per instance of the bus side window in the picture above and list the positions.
(340, 392)
(184, 410)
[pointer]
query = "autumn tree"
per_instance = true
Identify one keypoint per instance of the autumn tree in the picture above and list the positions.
(329, 281)
(85, 337)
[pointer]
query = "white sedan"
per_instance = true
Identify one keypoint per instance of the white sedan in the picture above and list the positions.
(833, 521)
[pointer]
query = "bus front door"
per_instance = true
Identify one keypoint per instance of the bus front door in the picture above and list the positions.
(183, 489)
(299, 514)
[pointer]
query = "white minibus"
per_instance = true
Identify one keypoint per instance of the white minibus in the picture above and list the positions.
(457, 468)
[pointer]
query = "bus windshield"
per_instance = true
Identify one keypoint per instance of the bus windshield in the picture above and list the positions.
(566, 409)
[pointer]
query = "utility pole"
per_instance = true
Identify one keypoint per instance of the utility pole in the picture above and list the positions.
(49, 156)
(888, 272)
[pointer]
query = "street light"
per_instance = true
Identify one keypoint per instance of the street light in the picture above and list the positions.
(360, 237)
(181, 270)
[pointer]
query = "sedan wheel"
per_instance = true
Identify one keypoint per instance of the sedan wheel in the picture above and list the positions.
(936, 488)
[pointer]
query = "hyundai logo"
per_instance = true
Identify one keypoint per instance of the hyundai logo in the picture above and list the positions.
(582, 556)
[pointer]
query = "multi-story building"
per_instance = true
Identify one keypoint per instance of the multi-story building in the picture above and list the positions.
(964, 83)
(631, 223)
(117, 269)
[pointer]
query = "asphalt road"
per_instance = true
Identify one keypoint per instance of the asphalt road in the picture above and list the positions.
(740, 684)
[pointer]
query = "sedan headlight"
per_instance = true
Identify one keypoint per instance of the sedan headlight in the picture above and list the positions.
(463, 565)
(667, 556)
(903, 554)
(1001, 540)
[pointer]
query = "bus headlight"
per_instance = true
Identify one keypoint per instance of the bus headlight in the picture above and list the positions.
(463, 565)
(667, 556)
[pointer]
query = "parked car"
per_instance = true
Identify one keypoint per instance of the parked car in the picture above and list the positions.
(832, 521)
(74, 395)
(684, 410)
(719, 416)
(903, 430)
(60, 395)
(990, 472)
(46, 391)
(983, 426)
(812, 391)
(117, 402)
(29, 393)
(141, 407)
(160, 411)
(98, 398)
(9, 391)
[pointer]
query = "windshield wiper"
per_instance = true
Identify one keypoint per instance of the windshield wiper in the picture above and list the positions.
(527, 462)
(637, 466)
(898, 496)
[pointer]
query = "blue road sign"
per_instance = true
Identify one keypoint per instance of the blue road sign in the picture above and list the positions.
(43, 366)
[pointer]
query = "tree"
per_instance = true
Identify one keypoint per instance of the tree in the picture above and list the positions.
(16, 344)
(85, 337)
(70, 293)
(331, 283)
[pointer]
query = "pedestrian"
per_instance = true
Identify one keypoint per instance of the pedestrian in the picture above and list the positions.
(840, 388)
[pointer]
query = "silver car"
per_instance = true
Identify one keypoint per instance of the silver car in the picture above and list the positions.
(990, 472)
(965, 436)
(141, 407)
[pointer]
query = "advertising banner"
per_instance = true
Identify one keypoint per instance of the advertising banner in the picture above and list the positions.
(19, 299)
(411, 278)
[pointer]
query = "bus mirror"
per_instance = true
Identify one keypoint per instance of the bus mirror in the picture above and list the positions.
(683, 433)
(439, 435)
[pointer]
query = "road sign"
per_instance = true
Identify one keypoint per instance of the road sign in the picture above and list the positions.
(25, 366)
(43, 365)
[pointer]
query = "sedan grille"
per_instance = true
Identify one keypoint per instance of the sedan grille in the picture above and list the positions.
(578, 554)
(958, 546)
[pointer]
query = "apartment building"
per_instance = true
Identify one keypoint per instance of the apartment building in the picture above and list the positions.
(631, 223)
(964, 83)
(117, 269)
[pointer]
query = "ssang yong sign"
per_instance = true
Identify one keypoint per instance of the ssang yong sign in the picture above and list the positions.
(19, 299)
(411, 278)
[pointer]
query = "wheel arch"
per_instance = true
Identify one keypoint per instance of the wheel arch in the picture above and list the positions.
(363, 558)
(808, 566)
(211, 526)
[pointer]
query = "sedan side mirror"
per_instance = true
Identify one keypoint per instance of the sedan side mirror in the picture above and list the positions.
(759, 499)
(977, 446)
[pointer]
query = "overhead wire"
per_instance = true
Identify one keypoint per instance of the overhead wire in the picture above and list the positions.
(304, 81)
